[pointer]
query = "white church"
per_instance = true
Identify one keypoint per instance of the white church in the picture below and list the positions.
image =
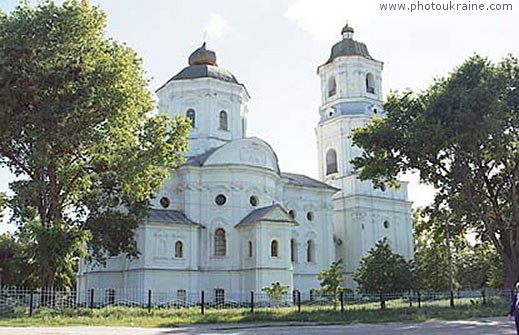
(229, 221)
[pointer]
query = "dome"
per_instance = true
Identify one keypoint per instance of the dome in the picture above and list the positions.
(348, 46)
(347, 29)
(202, 64)
(202, 56)
(206, 71)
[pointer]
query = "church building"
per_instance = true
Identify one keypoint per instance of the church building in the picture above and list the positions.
(229, 222)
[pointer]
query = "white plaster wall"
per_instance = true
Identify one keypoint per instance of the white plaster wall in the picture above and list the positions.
(207, 96)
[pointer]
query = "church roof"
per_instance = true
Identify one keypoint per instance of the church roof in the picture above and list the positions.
(302, 180)
(261, 213)
(205, 71)
(200, 159)
(202, 64)
(348, 47)
(169, 216)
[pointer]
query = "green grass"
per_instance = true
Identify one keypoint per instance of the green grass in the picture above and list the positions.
(363, 313)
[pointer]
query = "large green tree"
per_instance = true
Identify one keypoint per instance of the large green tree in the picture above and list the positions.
(77, 128)
(383, 271)
(462, 136)
(431, 263)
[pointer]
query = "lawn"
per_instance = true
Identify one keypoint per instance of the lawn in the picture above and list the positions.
(358, 313)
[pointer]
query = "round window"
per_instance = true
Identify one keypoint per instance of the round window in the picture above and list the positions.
(386, 224)
(310, 216)
(164, 202)
(292, 213)
(220, 200)
(253, 200)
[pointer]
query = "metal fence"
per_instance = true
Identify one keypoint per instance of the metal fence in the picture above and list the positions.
(15, 300)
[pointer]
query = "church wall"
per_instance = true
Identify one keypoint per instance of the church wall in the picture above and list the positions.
(319, 229)
(207, 97)
(359, 223)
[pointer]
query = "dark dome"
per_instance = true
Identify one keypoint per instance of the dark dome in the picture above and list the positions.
(202, 56)
(202, 64)
(348, 47)
(347, 29)
(205, 71)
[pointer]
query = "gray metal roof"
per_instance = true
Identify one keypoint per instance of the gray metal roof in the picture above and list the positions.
(302, 180)
(348, 47)
(169, 216)
(200, 159)
(205, 71)
(258, 214)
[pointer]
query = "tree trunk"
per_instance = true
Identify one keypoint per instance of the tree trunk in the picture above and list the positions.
(512, 270)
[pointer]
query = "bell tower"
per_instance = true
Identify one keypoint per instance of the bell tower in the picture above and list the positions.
(351, 94)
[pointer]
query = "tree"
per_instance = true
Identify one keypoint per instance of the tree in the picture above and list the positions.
(276, 292)
(383, 271)
(462, 136)
(331, 280)
(77, 129)
(476, 267)
(3, 202)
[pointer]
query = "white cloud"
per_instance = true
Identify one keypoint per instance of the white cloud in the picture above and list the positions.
(321, 18)
(217, 27)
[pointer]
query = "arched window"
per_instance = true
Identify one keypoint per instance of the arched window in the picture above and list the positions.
(249, 249)
(331, 162)
(179, 249)
(220, 242)
(332, 86)
(370, 83)
(310, 251)
(274, 248)
(293, 250)
(190, 114)
(223, 120)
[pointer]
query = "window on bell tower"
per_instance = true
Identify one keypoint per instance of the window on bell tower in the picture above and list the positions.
(223, 120)
(331, 162)
(190, 114)
(332, 86)
(370, 83)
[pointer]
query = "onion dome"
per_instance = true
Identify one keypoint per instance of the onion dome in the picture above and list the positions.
(347, 29)
(202, 64)
(202, 56)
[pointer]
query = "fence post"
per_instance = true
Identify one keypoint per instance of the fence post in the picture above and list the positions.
(410, 300)
(451, 297)
(31, 300)
(484, 296)
(149, 300)
(299, 301)
(342, 301)
(202, 303)
(92, 298)
(419, 299)
(252, 301)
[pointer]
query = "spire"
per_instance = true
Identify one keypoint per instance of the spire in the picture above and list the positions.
(347, 31)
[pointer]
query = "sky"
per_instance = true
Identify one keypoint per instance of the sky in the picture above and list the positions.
(275, 46)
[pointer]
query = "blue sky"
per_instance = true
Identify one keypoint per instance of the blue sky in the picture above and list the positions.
(274, 48)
